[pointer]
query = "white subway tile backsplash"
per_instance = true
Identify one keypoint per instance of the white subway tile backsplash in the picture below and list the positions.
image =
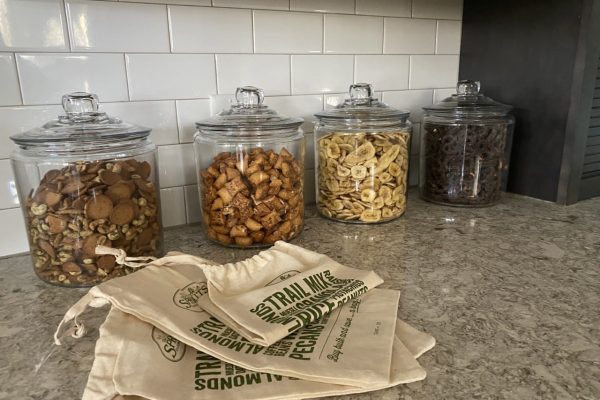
(45, 77)
(229, 30)
(410, 100)
(32, 25)
(433, 71)
(8, 191)
(409, 36)
(321, 73)
(118, 27)
(353, 34)
(167, 64)
(176, 165)
(13, 239)
(332, 6)
(15, 120)
(192, 204)
(269, 72)
(441, 9)
(287, 32)
(441, 94)
(172, 205)
(9, 82)
(257, 4)
(188, 113)
(297, 106)
(158, 115)
(181, 2)
(448, 37)
(387, 72)
(170, 76)
(388, 8)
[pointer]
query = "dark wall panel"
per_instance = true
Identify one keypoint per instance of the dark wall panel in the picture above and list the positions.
(523, 53)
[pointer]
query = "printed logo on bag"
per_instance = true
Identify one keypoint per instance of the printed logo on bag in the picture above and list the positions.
(187, 297)
(171, 348)
(305, 301)
(283, 277)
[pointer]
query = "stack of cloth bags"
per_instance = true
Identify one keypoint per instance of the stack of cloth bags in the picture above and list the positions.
(287, 323)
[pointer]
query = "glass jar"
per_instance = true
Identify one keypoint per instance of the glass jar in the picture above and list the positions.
(83, 180)
(251, 173)
(465, 149)
(362, 149)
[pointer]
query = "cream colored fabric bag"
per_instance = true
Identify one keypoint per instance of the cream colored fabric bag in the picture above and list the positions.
(269, 296)
(136, 359)
(350, 345)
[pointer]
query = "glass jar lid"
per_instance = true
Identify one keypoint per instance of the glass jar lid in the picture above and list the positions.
(468, 101)
(249, 114)
(362, 106)
(81, 124)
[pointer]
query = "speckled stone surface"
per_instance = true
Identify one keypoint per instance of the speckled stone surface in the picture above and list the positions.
(511, 293)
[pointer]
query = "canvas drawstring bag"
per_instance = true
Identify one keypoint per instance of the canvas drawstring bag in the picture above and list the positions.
(133, 358)
(350, 345)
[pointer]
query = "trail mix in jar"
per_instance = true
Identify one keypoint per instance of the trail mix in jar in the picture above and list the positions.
(362, 176)
(85, 204)
(253, 197)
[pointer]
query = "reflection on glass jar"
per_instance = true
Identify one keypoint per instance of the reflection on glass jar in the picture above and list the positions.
(84, 180)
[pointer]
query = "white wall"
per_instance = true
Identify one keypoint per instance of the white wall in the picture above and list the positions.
(158, 62)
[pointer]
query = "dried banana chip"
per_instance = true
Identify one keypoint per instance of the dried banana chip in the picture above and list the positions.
(343, 171)
(386, 193)
(370, 216)
(358, 172)
(362, 153)
(387, 157)
(368, 195)
(394, 169)
(378, 203)
(386, 212)
(333, 150)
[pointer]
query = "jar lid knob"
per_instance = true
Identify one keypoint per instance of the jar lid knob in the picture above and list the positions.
(249, 96)
(361, 92)
(468, 88)
(80, 106)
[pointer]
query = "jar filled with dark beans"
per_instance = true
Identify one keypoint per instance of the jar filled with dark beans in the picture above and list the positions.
(465, 148)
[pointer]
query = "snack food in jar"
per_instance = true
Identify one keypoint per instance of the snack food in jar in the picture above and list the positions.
(362, 150)
(250, 163)
(465, 149)
(87, 179)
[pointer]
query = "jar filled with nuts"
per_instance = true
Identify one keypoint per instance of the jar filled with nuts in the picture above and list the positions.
(465, 149)
(251, 173)
(87, 179)
(362, 149)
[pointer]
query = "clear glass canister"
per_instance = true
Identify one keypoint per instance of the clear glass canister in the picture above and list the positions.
(465, 149)
(83, 180)
(251, 173)
(362, 150)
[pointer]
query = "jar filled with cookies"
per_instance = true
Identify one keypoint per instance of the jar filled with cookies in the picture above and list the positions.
(83, 180)
(362, 149)
(250, 163)
(465, 149)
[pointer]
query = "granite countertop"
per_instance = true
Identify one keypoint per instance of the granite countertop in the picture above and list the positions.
(511, 293)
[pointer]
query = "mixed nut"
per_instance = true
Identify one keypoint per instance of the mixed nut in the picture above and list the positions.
(362, 176)
(110, 203)
(253, 197)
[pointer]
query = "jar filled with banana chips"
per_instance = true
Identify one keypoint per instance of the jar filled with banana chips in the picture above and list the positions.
(250, 163)
(87, 179)
(362, 148)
